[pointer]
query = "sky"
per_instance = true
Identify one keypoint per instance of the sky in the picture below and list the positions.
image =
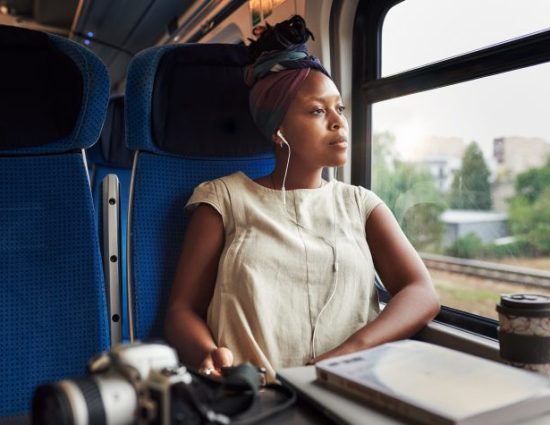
(516, 103)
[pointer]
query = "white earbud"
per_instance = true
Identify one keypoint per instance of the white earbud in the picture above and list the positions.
(279, 134)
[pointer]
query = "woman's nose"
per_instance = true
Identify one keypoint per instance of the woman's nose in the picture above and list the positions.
(338, 121)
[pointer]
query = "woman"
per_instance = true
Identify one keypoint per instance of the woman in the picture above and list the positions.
(280, 271)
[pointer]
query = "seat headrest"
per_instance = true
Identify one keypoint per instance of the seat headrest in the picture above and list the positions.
(111, 149)
(53, 93)
(191, 100)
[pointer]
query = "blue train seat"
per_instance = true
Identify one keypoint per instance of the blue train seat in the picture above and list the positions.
(110, 155)
(53, 317)
(188, 118)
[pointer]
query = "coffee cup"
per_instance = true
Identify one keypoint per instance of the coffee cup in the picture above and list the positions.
(524, 331)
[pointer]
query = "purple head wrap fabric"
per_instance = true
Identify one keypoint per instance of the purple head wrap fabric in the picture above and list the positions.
(275, 78)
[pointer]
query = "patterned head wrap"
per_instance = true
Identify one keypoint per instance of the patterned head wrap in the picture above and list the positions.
(276, 75)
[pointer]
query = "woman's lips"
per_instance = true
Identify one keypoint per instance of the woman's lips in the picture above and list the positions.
(340, 143)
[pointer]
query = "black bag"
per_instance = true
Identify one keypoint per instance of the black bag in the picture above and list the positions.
(237, 398)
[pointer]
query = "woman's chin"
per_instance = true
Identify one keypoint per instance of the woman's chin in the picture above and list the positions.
(337, 162)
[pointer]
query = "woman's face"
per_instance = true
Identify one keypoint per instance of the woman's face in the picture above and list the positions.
(315, 126)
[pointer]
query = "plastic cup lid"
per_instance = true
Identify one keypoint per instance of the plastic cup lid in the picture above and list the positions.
(534, 303)
(525, 300)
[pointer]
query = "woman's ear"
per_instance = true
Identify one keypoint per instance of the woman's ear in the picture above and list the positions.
(277, 140)
(281, 139)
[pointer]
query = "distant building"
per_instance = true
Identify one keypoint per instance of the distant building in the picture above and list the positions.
(486, 225)
(442, 169)
(441, 157)
(514, 155)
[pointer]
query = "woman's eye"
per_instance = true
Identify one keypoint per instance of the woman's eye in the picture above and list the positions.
(318, 111)
(341, 109)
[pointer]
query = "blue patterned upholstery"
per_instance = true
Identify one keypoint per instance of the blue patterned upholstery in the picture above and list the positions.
(177, 151)
(53, 311)
(110, 155)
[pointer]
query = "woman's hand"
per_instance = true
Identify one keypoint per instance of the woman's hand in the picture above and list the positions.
(215, 360)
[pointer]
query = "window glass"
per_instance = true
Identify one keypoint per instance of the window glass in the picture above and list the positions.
(445, 28)
(466, 171)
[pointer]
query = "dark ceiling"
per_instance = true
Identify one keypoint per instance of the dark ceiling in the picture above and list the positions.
(57, 14)
(114, 29)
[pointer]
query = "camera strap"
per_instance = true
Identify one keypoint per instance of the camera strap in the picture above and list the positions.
(236, 398)
(289, 398)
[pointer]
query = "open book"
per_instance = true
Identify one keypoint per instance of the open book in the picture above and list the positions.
(435, 385)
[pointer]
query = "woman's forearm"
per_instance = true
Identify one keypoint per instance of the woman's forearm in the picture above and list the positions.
(406, 313)
(189, 335)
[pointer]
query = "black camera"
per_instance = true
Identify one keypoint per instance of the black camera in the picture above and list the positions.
(131, 384)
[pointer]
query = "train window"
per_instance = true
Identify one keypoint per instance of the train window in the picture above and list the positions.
(465, 169)
(445, 28)
(456, 141)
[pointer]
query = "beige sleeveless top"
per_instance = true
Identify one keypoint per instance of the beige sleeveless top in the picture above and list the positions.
(295, 278)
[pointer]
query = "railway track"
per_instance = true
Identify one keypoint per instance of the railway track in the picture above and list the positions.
(488, 270)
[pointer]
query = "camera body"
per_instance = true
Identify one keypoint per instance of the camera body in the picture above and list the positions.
(130, 384)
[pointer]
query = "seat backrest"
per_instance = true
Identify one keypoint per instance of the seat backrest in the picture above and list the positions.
(188, 118)
(110, 155)
(53, 317)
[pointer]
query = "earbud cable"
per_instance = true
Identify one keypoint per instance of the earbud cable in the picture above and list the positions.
(332, 244)
(283, 189)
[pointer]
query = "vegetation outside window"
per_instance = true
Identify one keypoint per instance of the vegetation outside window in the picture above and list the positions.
(465, 167)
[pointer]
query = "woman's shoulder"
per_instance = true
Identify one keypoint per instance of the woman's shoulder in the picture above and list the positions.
(349, 189)
(235, 177)
(237, 183)
(215, 192)
(364, 198)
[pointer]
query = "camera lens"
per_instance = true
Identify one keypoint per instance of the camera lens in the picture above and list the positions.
(51, 406)
(69, 402)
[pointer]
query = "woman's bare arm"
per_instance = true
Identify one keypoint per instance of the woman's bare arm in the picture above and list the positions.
(195, 278)
(414, 301)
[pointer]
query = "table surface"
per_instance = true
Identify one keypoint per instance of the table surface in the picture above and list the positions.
(306, 412)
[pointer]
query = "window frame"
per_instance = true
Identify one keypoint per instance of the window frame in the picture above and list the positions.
(520, 52)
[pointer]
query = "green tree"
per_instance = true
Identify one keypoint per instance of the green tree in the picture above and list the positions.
(471, 189)
(411, 193)
(531, 183)
(529, 209)
(467, 246)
